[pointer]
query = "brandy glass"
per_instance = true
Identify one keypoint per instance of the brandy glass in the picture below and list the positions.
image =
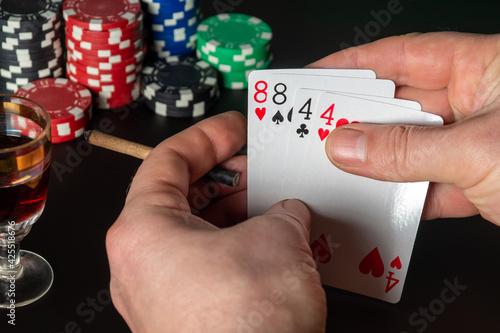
(25, 152)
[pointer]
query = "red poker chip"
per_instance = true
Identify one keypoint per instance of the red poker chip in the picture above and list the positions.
(115, 103)
(130, 31)
(106, 52)
(65, 101)
(96, 45)
(100, 15)
(69, 128)
(108, 63)
(103, 78)
(69, 137)
(118, 99)
(98, 84)
(113, 95)
(134, 91)
(112, 59)
(73, 65)
(107, 100)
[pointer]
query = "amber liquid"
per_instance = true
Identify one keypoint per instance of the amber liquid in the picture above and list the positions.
(20, 202)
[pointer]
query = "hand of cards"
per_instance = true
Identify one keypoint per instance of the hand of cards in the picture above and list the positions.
(363, 230)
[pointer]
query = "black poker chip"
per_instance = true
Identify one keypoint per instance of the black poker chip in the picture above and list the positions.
(24, 15)
(28, 37)
(22, 54)
(30, 42)
(175, 77)
(185, 100)
(26, 67)
(32, 45)
(195, 110)
(181, 106)
(23, 78)
(180, 86)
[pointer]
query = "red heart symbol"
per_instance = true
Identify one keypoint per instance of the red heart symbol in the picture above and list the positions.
(342, 122)
(323, 133)
(260, 112)
(396, 263)
(321, 250)
(372, 263)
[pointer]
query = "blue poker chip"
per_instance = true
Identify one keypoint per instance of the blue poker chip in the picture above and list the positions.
(178, 50)
(173, 19)
(172, 47)
(156, 7)
(172, 32)
(171, 26)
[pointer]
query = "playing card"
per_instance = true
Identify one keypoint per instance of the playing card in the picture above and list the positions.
(271, 95)
(363, 230)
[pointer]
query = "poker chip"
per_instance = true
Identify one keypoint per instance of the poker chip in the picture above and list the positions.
(68, 103)
(171, 26)
(132, 30)
(105, 48)
(106, 51)
(114, 99)
(99, 15)
(30, 42)
(234, 44)
(180, 86)
(96, 71)
(27, 15)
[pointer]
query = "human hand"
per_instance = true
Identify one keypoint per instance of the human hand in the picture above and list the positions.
(454, 75)
(172, 271)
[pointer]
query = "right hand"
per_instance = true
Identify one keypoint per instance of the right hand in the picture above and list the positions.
(454, 75)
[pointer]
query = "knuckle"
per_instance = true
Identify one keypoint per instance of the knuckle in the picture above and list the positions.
(406, 156)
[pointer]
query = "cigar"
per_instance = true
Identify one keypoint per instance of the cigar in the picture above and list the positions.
(137, 150)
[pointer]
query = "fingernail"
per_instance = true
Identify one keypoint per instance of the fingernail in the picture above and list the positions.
(348, 147)
(298, 209)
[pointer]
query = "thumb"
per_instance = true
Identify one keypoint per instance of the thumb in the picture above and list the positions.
(402, 153)
(293, 212)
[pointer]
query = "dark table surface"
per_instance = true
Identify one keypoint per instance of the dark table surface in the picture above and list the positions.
(88, 187)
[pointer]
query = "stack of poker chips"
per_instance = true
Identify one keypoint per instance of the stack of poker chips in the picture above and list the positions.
(31, 46)
(105, 48)
(68, 103)
(180, 87)
(171, 26)
(235, 44)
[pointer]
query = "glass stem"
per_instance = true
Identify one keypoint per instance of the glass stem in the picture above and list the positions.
(10, 247)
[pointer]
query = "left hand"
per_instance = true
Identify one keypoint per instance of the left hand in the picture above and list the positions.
(172, 271)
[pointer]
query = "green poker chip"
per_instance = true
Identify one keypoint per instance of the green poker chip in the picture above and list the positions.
(235, 45)
(234, 34)
(239, 79)
(234, 58)
(231, 66)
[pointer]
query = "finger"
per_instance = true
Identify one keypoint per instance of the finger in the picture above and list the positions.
(177, 162)
(447, 200)
(433, 101)
(207, 198)
(293, 212)
(419, 60)
(412, 153)
(227, 211)
(214, 190)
